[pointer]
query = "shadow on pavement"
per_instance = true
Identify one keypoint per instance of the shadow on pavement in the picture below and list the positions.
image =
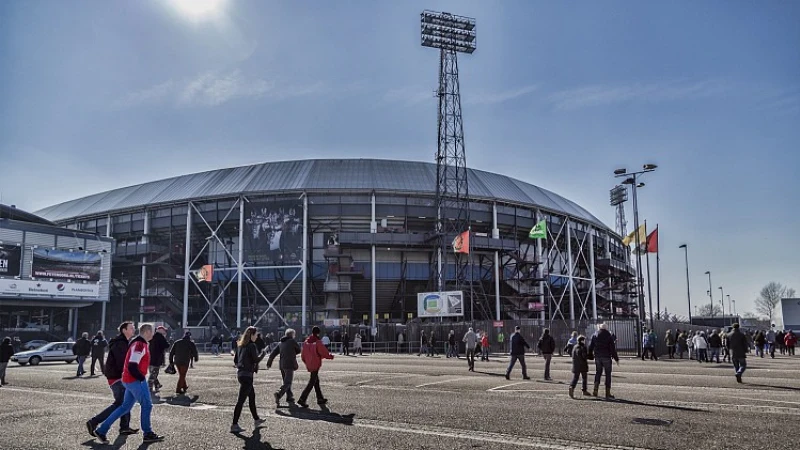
(324, 414)
(254, 442)
(491, 374)
(177, 400)
(785, 388)
(635, 403)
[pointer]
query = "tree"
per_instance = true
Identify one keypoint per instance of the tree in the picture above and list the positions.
(770, 296)
(710, 310)
(750, 315)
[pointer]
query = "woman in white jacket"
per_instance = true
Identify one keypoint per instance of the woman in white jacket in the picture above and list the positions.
(700, 345)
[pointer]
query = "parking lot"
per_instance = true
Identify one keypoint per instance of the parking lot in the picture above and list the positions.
(410, 402)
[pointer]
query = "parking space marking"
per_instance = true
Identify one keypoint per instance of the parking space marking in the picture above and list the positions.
(442, 382)
(497, 388)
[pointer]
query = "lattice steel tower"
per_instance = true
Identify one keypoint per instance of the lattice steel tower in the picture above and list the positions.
(450, 34)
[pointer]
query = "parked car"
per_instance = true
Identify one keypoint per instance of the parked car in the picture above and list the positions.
(55, 351)
(33, 345)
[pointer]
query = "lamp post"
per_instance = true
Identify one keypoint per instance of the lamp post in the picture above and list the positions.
(710, 293)
(722, 302)
(685, 248)
(730, 310)
(734, 306)
(631, 179)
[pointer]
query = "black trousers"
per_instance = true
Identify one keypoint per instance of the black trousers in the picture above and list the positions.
(313, 382)
(575, 377)
(95, 359)
(246, 391)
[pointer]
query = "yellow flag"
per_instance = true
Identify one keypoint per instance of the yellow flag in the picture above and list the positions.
(631, 238)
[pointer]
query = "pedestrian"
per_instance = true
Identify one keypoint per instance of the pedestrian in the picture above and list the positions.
(603, 349)
(288, 349)
(326, 341)
(357, 345)
(700, 346)
(738, 345)
(791, 342)
(137, 361)
(470, 339)
(771, 335)
(246, 360)
(182, 353)
(400, 341)
(346, 344)
(6, 352)
(726, 352)
(451, 345)
(680, 342)
(82, 348)
(501, 339)
(423, 344)
(261, 344)
(234, 340)
(269, 341)
(432, 344)
(546, 346)
(571, 343)
(715, 344)
(652, 340)
(312, 354)
(216, 342)
(485, 347)
(158, 346)
(580, 366)
(760, 340)
(113, 370)
(690, 345)
(780, 341)
(99, 345)
(518, 346)
(669, 339)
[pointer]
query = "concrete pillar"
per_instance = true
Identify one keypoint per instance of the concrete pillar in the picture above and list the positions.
(305, 264)
(143, 286)
(373, 294)
(591, 271)
(240, 266)
(569, 275)
(187, 262)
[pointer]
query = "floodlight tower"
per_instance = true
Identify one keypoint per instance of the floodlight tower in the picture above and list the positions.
(619, 195)
(451, 34)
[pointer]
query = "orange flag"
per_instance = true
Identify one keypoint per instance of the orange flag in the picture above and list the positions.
(461, 243)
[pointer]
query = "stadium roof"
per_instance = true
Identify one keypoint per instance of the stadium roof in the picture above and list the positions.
(316, 175)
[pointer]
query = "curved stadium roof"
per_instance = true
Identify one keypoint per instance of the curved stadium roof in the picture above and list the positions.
(320, 175)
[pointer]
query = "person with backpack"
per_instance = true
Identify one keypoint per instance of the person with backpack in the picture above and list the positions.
(82, 348)
(547, 346)
(312, 354)
(580, 366)
(115, 365)
(288, 349)
(183, 352)
(246, 360)
(99, 344)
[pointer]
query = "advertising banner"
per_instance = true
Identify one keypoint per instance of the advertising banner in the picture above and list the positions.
(273, 234)
(66, 265)
(10, 260)
(440, 304)
(32, 288)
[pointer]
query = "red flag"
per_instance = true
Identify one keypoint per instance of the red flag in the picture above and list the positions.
(461, 243)
(652, 242)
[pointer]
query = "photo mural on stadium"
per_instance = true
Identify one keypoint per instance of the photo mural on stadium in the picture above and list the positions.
(66, 265)
(10, 260)
(273, 233)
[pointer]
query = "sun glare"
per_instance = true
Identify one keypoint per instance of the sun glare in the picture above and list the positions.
(198, 9)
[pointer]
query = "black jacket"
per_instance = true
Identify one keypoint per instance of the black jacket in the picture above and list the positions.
(158, 346)
(602, 345)
(737, 343)
(288, 349)
(580, 359)
(6, 351)
(714, 341)
(99, 344)
(260, 344)
(117, 350)
(518, 344)
(247, 358)
(216, 340)
(82, 347)
(547, 345)
(183, 351)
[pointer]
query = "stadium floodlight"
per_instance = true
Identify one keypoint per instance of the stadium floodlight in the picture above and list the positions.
(448, 32)
(619, 195)
(620, 171)
(649, 167)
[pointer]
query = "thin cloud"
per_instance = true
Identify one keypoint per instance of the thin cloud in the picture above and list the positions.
(409, 95)
(414, 95)
(600, 95)
(150, 95)
(489, 98)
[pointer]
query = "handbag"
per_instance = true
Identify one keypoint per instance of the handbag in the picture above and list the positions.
(170, 369)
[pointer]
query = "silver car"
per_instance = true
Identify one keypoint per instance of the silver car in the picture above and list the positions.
(54, 351)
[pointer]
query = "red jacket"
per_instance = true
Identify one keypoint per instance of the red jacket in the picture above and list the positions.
(137, 361)
(790, 340)
(313, 353)
(485, 341)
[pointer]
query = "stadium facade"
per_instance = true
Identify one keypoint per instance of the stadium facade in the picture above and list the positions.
(298, 242)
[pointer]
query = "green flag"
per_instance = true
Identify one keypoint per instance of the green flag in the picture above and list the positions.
(539, 231)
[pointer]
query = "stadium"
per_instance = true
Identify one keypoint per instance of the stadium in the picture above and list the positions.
(295, 243)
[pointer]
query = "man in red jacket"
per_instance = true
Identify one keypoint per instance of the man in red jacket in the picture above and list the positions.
(312, 355)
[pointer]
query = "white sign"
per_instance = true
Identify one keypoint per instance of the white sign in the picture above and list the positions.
(440, 304)
(31, 288)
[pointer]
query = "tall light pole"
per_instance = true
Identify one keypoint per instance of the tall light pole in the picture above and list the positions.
(685, 248)
(734, 306)
(730, 310)
(710, 293)
(722, 302)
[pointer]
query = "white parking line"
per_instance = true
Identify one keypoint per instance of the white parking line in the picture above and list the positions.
(442, 382)
(504, 386)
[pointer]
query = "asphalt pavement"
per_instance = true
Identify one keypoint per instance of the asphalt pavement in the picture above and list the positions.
(410, 402)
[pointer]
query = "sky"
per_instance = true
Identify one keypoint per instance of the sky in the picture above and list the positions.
(96, 95)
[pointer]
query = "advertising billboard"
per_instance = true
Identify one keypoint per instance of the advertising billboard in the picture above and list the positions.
(273, 234)
(10, 260)
(33, 288)
(790, 312)
(440, 304)
(66, 265)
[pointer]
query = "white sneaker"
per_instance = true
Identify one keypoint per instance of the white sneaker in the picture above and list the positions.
(235, 428)
(259, 422)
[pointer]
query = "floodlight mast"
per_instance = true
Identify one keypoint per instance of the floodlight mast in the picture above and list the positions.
(451, 34)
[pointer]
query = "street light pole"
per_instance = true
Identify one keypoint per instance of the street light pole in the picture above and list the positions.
(730, 310)
(685, 248)
(710, 293)
(722, 301)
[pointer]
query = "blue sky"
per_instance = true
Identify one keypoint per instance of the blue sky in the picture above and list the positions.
(96, 95)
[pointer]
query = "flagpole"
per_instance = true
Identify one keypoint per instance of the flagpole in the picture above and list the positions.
(658, 274)
(649, 284)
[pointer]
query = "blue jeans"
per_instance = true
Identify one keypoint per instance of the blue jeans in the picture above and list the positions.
(602, 365)
(739, 365)
(81, 360)
(521, 359)
(215, 349)
(134, 392)
(286, 387)
(118, 389)
(714, 354)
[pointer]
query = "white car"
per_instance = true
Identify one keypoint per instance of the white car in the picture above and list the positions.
(54, 351)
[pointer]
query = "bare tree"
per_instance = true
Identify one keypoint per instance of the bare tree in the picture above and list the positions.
(770, 296)
(710, 310)
(750, 315)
